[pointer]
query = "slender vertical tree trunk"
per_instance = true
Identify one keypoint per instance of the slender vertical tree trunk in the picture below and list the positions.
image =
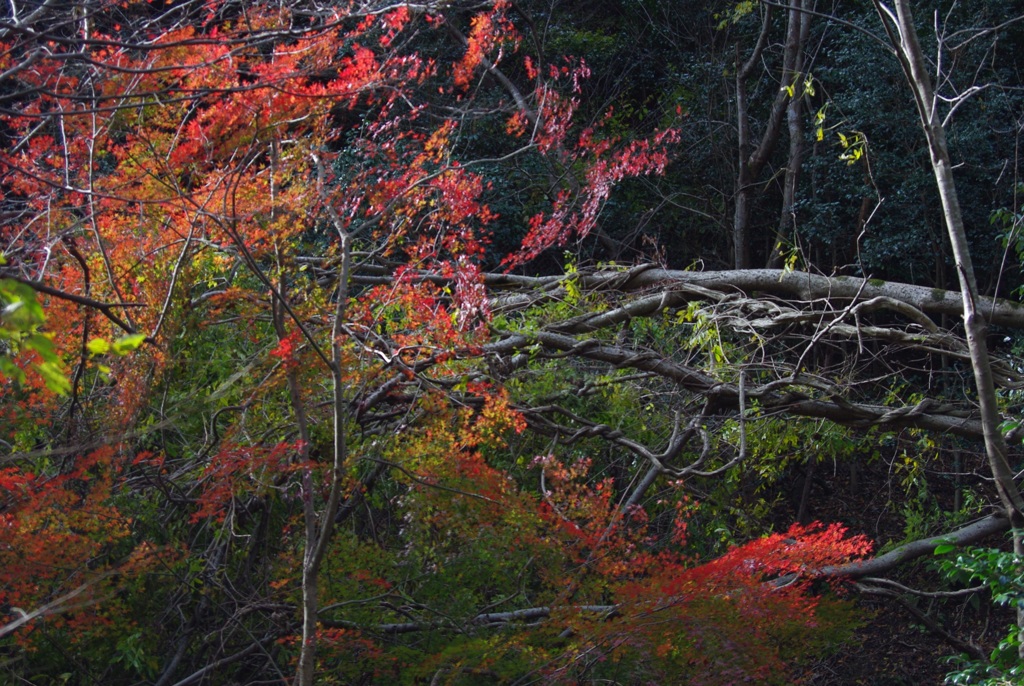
(318, 537)
(741, 218)
(900, 28)
(751, 159)
(787, 217)
(795, 112)
(310, 610)
(310, 601)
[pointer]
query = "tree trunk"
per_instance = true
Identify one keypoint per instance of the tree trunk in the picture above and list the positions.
(752, 160)
(318, 538)
(795, 127)
(900, 28)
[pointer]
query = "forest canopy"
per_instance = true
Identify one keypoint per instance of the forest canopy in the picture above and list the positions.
(510, 342)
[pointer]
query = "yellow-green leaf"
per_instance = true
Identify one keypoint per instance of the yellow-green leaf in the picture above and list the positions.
(128, 343)
(54, 378)
(98, 346)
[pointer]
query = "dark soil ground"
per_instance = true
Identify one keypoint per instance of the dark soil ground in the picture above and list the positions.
(894, 649)
(889, 651)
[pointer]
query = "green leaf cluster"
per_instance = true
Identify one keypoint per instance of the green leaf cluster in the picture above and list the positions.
(21, 322)
(1003, 573)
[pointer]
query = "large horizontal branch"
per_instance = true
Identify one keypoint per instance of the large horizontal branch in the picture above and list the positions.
(684, 285)
(673, 287)
(725, 396)
(970, 534)
(755, 300)
(806, 286)
(749, 315)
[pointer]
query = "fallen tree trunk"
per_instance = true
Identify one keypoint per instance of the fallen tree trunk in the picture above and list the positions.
(778, 283)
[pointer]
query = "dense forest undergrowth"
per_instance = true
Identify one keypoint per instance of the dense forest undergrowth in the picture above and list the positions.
(511, 342)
